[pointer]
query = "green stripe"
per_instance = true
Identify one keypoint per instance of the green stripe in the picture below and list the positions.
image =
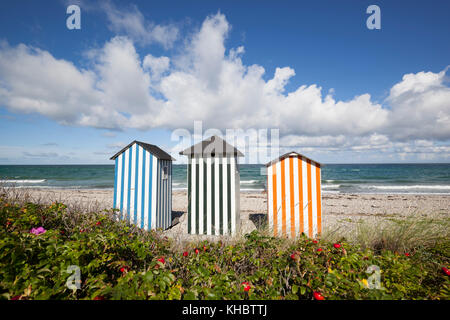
(213, 197)
(229, 194)
(220, 198)
(189, 195)
(205, 198)
(196, 196)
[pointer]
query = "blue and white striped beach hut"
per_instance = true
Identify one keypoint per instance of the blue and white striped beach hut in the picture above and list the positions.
(143, 185)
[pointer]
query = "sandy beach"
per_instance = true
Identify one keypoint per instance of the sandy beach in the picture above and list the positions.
(340, 211)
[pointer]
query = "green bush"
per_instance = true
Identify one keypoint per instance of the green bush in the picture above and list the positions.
(119, 261)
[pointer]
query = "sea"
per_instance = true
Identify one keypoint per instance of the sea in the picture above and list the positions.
(336, 178)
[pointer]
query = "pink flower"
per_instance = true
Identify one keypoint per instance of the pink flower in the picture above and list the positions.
(320, 249)
(38, 231)
(185, 254)
(407, 254)
(162, 260)
(337, 245)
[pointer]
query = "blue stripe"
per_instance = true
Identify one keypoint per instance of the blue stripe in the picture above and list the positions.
(136, 178)
(130, 154)
(167, 196)
(163, 201)
(143, 188)
(122, 184)
(150, 187)
(170, 195)
(163, 188)
(115, 182)
(159, 195)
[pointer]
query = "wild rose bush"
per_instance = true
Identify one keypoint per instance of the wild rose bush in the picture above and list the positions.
(118, 261)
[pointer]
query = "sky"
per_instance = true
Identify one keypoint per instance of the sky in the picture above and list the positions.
(310, 73)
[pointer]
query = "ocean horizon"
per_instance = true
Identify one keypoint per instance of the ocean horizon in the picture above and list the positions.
(395, 178)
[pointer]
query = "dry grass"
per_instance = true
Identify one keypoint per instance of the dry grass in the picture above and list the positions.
(402, 234)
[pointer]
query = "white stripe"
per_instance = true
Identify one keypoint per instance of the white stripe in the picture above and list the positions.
(233, 195)
(305, 197)
(132, 184)
(125, 184)
(225, 195)
(200, 195)
(320, 198)
(147, 188)
(270, 196)
(119, 180)
(279, 199)
(208, 196)
(287, 181)
(296, 198)
(139, 190)
(194, 195)
(314, 199)
(154, 191)
(217, 195)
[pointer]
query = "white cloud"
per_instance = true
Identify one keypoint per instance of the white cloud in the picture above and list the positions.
(132, 23)
(156, 65)
(420, 107)
(207, 82)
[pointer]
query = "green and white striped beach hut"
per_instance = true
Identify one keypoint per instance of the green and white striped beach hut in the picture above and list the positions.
(213, 187)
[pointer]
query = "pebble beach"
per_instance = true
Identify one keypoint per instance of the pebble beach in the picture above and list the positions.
(339, 211)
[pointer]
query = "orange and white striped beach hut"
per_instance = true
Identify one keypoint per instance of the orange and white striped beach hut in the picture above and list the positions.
(294, 201)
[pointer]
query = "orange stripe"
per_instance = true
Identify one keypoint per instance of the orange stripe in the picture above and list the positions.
(319, 200)
(274, 196)
(310, 218)
(300, 195)
(291, 178)
(283, 198)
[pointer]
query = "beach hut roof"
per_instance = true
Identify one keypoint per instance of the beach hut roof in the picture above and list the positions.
(292, 153)
(212, 146)
(157, 152)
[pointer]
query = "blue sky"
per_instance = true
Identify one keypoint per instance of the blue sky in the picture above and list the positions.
(336, 90)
